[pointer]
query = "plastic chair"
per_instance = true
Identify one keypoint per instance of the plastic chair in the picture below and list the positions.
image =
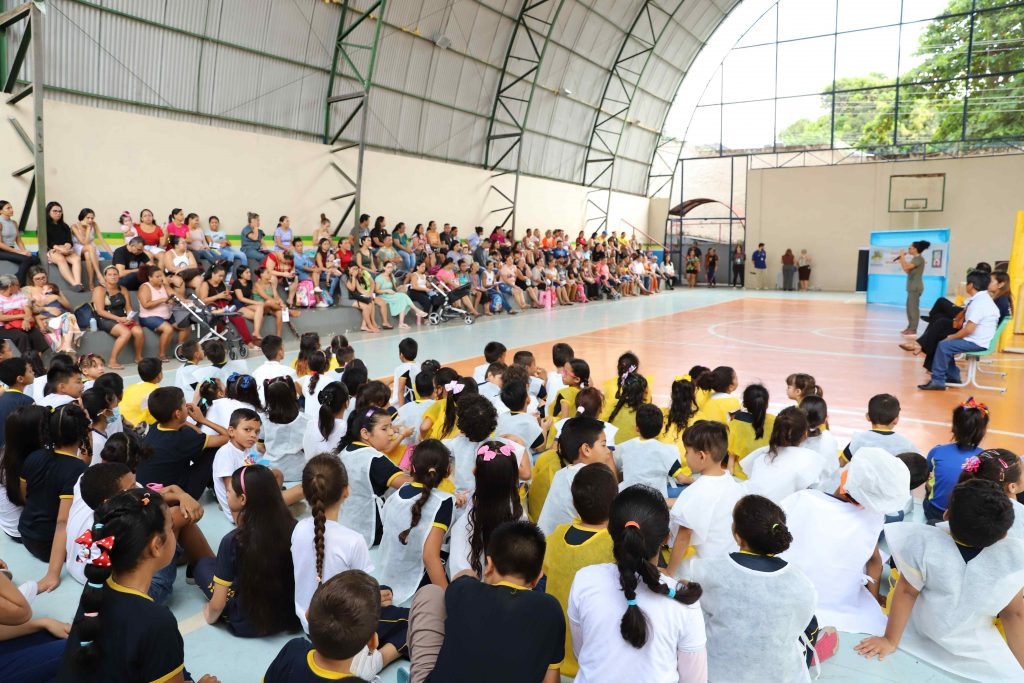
(975, 366)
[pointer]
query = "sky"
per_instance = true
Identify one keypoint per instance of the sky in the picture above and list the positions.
(804, 67)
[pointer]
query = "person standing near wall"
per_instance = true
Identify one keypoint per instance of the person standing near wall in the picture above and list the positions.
(711, 267)
(760, 259)
(788, 270)
(738, 261)
(803, 263)
(914, 268)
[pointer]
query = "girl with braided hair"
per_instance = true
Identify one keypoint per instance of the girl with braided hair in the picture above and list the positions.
(410, 548)
(622, 412)
(119, 633)
(628, 620)
(1004, 468)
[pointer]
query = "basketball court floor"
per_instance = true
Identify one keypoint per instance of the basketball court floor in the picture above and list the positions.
(850, 348)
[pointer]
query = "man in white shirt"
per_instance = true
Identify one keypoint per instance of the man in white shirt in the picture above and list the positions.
(273, 350)
(981, 317)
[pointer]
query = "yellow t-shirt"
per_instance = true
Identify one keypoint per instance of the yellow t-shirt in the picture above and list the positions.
(561, 562)
(133, 402)
(625, 420)
(717, 408)
(610, 386)
(564, 395)
(540, 483)
(436, 412)
(742, 441)
(673, 435)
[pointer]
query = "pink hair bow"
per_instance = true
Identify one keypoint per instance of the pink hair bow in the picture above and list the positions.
(487, 453)
(454, 387)
(627, 373)
(507, 450)
(972, 464)
(94, 552)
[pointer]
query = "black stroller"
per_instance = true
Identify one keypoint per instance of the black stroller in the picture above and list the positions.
(209, 324)
(447, 309)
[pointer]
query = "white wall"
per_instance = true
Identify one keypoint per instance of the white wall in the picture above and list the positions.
(831, 211)
(110, 161)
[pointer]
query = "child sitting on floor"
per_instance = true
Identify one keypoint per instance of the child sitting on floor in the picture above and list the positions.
(970, 422)
(644, 459)
(784, 466)
(750, 428)
(800, 385)
(720, 383)
(581, 443)
(883, 414)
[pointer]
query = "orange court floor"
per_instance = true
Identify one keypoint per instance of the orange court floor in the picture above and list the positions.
(851, 349)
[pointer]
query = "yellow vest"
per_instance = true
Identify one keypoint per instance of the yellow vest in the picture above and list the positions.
(742, 442)
(625, 421)
(561, 562)
(131, 402)
(543, 472)
(564, 395)
(673, 435)
(718, 409)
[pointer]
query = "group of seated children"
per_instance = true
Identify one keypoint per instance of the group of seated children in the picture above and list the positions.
(512, 521)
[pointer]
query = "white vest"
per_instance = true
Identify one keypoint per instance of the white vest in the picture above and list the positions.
(359, 511)
(402, 564)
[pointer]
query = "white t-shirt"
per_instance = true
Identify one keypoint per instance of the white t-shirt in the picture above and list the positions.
(555, 384)
(80, 518)
(705, 508)
(492, 393)
(312, 407)
(646, 461)
(272, 369)
(99, 440)
(535, 385)
(480, 373)
(879, 438)
(984, 313)
(610, 430)
(220, 413)
(793, 469)
(411, 415)
(314, 443)
(595, 609)
(344, 549)
(10, 515)
(228, 459)
(523, 425)
(187, 375)
(54, 400)
(410, 370)
(35, 390)
(558, 507)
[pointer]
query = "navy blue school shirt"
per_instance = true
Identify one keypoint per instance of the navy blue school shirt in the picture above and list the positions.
(139, 641)
(759, 258)
(295, 664)
(173, 452)
(10, 400)
(500, 633)
(50, 477)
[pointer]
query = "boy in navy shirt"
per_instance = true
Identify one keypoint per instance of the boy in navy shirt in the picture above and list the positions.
(16, 373)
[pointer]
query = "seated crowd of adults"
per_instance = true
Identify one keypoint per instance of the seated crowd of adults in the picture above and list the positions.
(383, 272)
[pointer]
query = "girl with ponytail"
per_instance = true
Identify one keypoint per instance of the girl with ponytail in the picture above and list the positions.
(631, 395)
(495, 500)
(435, 414)
(681, 413)
(416, 521)
(750, 427)
(250, 583)
(370, 472)
(119, 633)
(758, 606)
(49, 475)
(614, 609)
(821, 441)
(577, 378)
(327, 426)
(719, 385)
(784, 466)
(314, 381)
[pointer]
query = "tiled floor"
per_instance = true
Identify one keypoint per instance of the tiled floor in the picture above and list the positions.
(849, 347)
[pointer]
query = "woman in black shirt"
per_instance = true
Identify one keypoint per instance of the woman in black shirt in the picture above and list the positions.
(61, 247)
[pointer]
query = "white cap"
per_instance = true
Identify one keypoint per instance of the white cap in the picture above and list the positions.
(878, 480)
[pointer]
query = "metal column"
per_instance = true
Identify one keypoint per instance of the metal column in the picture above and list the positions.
(354, 102)
(28, 17)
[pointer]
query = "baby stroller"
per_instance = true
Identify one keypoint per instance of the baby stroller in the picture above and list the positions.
(209, 324)
(447, 309)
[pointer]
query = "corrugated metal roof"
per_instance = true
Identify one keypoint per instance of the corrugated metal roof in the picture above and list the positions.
(263, 64)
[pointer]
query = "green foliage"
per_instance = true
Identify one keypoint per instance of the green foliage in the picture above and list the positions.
(931, 106)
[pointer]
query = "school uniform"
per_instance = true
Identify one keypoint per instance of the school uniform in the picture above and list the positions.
(10, 400)
(480, 372)
(189, 376)
(284, 446)
(35, 390)
(98, 440)
(54, 400)
(402, 567)
(370, 474)
(647, 461)
(792, 469)
(624, 421)
(295, 664)
(610, 430)
(407, 371)
(272, 369)
(314, 443)
(569, 549)
(220, 412)
(178, 458)
(500, 633)
(962, 590)
(945, 463)
(558, 506)
(492, 392)
(832, 542)
(705, 508)
(312, 399)
(718, 408)
(80, 519)
(10, 515)
(229, 458)
(522, 425)
(464, 452)
(140, 639)
(886, 439)
(135, 402)
(535, 387)
(411, 415)
(565, 395)
(50, 478)
(756, 610)
(555, 383)
(596, 606)
(344, 549)
(827, 448)
(436, 412)
(743, 439)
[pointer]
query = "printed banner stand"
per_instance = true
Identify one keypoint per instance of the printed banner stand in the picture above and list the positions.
(1007, 342)
(887, 283)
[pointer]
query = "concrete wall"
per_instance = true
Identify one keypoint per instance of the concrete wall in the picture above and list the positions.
(111, 161)
(831, 210)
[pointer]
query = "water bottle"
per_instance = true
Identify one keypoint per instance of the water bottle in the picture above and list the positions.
(92, 324)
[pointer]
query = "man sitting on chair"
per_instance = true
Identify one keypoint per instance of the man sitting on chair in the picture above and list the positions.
(981, 317)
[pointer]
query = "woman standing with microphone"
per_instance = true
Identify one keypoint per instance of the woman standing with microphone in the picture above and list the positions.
(914, 268)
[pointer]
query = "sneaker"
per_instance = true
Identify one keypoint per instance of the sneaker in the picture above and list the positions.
(322, 304)
(190, 571)
(827, 644)
(317, 290)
